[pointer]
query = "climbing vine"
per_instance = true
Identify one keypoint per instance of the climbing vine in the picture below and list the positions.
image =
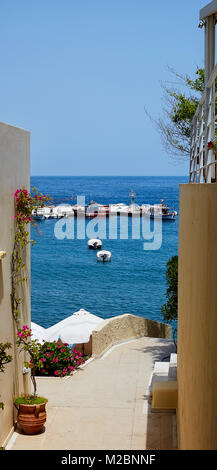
(25, 205)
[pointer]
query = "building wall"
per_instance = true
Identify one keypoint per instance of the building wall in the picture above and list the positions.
(197, 317)
(14, 174)
(123, 327)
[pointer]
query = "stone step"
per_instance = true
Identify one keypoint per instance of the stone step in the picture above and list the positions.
(172, 374)
(161, 368)
(173, 358)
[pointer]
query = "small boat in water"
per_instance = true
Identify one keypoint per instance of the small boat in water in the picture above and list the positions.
(94, 244)
(104, 256)
(159, 211)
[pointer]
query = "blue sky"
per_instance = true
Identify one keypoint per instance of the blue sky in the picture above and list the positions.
(78, 73)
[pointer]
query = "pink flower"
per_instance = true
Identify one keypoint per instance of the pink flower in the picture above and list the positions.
(20, 334)
(48, 354)
(55, 359)
(56, 372)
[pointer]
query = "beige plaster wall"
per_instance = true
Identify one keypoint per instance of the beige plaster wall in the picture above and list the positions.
(120, 328)
(197, 313)
(14, 173)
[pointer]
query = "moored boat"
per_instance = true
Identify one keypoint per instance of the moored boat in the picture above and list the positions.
(104, 256)
(159, 211)
(94, 243)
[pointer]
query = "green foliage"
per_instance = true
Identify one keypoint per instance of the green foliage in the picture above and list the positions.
(5, 358)
(198, 84)
(29, 400)
(174, 126)
(170, 309)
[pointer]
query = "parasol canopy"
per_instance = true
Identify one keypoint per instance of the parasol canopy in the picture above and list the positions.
(75, 329)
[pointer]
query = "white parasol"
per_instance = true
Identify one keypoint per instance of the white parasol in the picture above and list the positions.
(75, 329)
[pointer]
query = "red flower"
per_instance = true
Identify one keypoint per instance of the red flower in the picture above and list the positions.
(210, 145)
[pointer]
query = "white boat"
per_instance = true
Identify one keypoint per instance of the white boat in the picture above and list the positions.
(78, 210)
(63, 210)
(94, 209)
(94, 243)
(104, 256)
(159, 211)
(134, 209)
(38, 214)
(118, 209)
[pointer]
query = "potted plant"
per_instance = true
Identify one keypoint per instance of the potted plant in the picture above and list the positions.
(31, 408)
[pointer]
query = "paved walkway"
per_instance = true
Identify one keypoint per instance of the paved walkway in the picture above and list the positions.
(104, 405)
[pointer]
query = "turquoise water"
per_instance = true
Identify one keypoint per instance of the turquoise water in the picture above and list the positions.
(66, 275)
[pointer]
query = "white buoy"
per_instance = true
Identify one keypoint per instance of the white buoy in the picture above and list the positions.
(94, 244)
(104, 255)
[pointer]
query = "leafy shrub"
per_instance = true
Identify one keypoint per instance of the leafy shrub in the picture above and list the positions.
(170, 309)
(58, 360)
(29, 400)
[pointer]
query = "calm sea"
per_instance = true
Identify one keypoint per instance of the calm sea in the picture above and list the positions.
(66, 275)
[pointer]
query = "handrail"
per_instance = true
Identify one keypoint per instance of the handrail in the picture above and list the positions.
(212, 77)
(203, 164)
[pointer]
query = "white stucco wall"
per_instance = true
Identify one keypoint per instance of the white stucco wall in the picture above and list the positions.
(14, 174)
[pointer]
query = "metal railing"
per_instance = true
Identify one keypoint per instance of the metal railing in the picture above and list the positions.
(203, 153)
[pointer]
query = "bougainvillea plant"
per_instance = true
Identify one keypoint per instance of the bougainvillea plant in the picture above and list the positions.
(49, 358)
(25, 205)
(58, 360)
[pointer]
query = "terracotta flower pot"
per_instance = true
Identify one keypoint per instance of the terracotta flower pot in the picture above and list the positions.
(31, 418)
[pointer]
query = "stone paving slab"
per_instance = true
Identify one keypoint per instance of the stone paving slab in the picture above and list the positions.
(104, 405)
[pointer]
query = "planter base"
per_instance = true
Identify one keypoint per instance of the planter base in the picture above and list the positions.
(31, 418)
